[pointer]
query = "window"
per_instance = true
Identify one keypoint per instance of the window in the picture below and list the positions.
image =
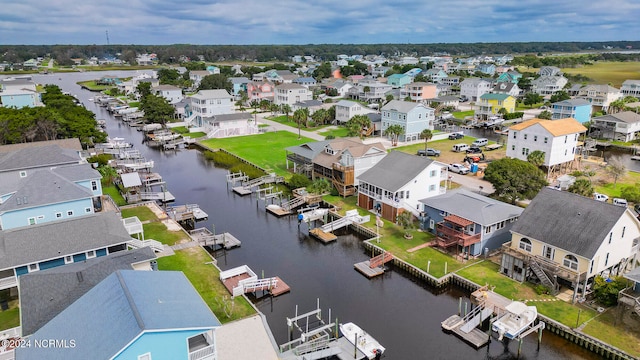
(500, 225)
(32, 221)
(91, 254)
(610, 237)
(487, 229)
(87, 210)
(68, 259)
(591, 267)
(525, 136)
(525, 151)
(623, 229)
(513, 147)
(576, 139)
(407, 194)
(535, 137)
(58, 215)
(571, 262)
(515, 135)
(94, 185)
(70, 213)
(525, 244)
(565, 151)
(432, 187)
(23, 174)
(548, 252)
(546, 139)
(433, 173)
(565, 139)
(33, 267)
(432, 224)
(606, 260)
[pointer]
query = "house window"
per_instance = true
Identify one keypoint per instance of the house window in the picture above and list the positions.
(565, 139)
(525, 151)
(546, 139)
(548, 252)
(535, 137)
(432, 187)
(487, 229)
(87, 210)
(571, 262)
(91, 254)
(146, 356)
(500, 225)
(525, 244)
(32, 221)
(433, 173)
(591, 267)
(610, 237)
(407, 194)
(94, 185)
(515, 135)
(623, 229)
(432, 224)
(68, 259)
(606, 260)
(70, 213)
(33, 267)
(576, 139)
(525, 136)
(23, 174)
(58, 215)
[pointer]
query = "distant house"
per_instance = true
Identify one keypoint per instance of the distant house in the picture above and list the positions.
(370, 92)
(490, 104)
(305, 81)
(172, 94)
(213, 69)
(623, 126)
(398, 80)
(18, 93)
(196, 77)
(599, 96)
(443, 101)
(488, 69)
(419, 91)
(226, 125)
(468, 221)
(207, 103)
(507, 88)
(473, 88)
(412, 117)
(239, 84)
(341, 86)
(630, 88)
(509, 76)
(290, 94)
(346, 109)
(578, 109)
(548, 85)
(380, 71)
(260, 91)
(549, 71)
(398, 182)
(436, 75)
(564, 239)
(133, 315)
(311, 105)
(558, 139)
(451, 80)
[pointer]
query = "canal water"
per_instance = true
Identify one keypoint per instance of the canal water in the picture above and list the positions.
(401, 313)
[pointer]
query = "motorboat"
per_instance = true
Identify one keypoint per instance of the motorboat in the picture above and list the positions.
(115, 143)
(362, 340)
(517, 319)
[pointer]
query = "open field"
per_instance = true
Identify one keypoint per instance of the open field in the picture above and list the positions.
(446, 155)
(603, 72)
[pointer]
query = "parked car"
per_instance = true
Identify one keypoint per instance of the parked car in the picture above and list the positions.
(600, 197)
(480, 142)
(459, 147)
(456, 136)
(621, 202)
(429, 152)
(458, 169)
(474, 150)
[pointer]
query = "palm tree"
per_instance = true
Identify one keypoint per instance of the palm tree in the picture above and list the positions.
(394, 131)
(286, 109)
(426, 134)
(299, 116)
(405, 220)
(582, 187)
(536, 158)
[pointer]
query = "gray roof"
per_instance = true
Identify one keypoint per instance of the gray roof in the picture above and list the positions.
(568, 221)
(77, 172)
(44, 294)
(572, 102)
(44, 187)
(309, 103)
(239, 80)
(374, 117)
(628, 117)
(347, 103)
(474, 207)
(131, 179)
(290, 86)
(212, 94)
(232, 117)
(395, 170)
(308, 150)
(35, 157)
(401, 106)
(118, 310)
(52, 240)
(72, 143)
(166, 87)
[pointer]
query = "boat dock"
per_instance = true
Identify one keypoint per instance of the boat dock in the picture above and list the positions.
(162, 196)
(206, 238)
(242, 280)
(375, 266)
(300, 197)
(325, 232)
(247, 186)
(189, 213)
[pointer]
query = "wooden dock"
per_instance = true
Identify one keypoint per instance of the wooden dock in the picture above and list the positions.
(476, 337)
(206, 238)
(278, 210)
(242, 279)
(241, 190)
(375, 266)
(325, 237)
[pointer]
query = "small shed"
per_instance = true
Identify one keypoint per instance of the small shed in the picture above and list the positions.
(131, 180)
(565, 181)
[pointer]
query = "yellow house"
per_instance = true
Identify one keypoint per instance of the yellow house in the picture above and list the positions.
(565, 240)
(490, 104)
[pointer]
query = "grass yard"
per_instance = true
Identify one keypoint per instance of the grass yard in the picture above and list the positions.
(159, 232)
(462, 114)
(195, 134)
(91, 85)
(10, 318)
(446, 155)
(604, 72)
(252, 148)
(195, 263)
(142, 212)
(608, 328)
(631, 178)
(112, 191)
(337, 133)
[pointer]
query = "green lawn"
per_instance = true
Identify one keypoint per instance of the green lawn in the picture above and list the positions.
(158, 231)
(195, 134)
(462, 114)
(252, 148)
(337, 133)
(10, 318)
(112, 191)
(631, 178)
(180, 129)
(142, 212)
(91, 85)
(610, 329)
(195, 263)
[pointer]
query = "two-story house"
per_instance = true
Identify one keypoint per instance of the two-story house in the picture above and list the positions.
(548, 85)
(172, 94)
(133, 315)
(18, 93)
(289, 94)
(305, 81)
(398, 182)
(549, 71)
(473, 88)
(346, 109)
(260, 91)
(466, 222)
(564, 239)
(369, 91)
(419, 91)
(239, 84)
(509, 76)
(578, 109)
(435, 75)
(488, 69)
(600, 96)
(196, 77)
(206, 104)
(412, 117)
(623, 126)
(451, 81)
(630, 88)
(509, 88)
(558, 139)
(490, 104)
(398, 80)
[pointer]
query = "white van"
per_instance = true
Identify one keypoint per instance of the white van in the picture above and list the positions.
(459, 147)
(620, 202)
(480, 142)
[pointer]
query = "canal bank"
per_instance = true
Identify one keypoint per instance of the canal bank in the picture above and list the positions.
(402, 313)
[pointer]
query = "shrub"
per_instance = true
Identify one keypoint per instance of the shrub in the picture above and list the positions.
(330, 137)
(101, 159)
(298, 181)
(606, 290)
(541, 290)
(631, 193)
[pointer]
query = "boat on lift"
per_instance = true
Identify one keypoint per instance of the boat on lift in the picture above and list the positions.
(362, 340)
(517, 319)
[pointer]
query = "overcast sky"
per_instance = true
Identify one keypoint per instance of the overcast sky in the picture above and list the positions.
(313, 22)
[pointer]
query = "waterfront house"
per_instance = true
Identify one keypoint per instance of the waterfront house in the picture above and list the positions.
(548, 85)
(301, 156)
(578, 109)
(565, 239)
(226, 125)
(630, 88)
(490, 104)
(207, 103)
(442, 102)
(599, 96)
(346, 109)
(473, 88)
(18, 93)
(289, 94)
(558, 139)
(398, 80)
(419, 91)
(44, 246)
(239, 84)
(412, 117)
(260, 91)
(45, 293)
(508, 88)
(623, 126)
(464, 221)
(133, 315)
(398, 182)
(172, 94)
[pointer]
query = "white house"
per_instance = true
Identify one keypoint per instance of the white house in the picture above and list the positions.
(173, 94)
(473, 88)
(599, 95)
(196, 76)
(206, 104)
(291, 93)
(548, 85)
(631, 88)
(412, 117)
(558, 139)
(346, 109)
(622, 126)
(398, 182)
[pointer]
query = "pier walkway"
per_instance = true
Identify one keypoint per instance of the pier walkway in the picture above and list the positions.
(325, 232)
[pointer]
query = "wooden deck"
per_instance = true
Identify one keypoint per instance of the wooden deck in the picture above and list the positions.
(232, 282)
(278, 211)
(206, 238)
(281, 288)
(241, 190)
(368, 271)
(476, 338)
(322, 236)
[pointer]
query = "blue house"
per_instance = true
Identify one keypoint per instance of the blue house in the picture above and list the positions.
(19, 99)
(579, 109)
(239, 84)
(131, 315)
(413, 117)
(468, 222)
(488, 69)
(509, 76)
(398, 80)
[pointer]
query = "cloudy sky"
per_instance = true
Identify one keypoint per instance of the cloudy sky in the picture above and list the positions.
(313, 21)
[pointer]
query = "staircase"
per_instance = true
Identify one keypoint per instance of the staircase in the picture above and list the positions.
(544, 279)
(380, 259)
(293, 203)
(153, 244)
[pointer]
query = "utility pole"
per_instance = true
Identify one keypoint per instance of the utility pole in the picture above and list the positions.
(107, 33)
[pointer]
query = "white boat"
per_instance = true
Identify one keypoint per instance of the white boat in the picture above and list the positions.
(518, 318)
(365, 342)
(115, 143)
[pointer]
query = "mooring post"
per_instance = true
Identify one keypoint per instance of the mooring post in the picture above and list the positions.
(445, 268)
(519, 347)
(465, 308)
(460, 306)
(355, 347)
(540, 336)
(428, 266)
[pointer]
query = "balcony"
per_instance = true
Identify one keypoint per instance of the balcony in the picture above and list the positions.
(548, 265)
(8, 282)
(448, 236)
(201, 347)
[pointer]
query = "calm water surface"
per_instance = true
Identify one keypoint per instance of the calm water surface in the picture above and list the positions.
(402, 314)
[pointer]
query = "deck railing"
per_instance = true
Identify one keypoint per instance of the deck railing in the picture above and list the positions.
(206, 353)
(8, 282)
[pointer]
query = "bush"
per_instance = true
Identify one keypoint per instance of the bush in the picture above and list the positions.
(631, 193)
(298, 181)
(606, 290)
(330, 137)
(541, 290)
(513, 115)
(101, 159)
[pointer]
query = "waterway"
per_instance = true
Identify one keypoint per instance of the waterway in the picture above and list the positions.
(401, 313)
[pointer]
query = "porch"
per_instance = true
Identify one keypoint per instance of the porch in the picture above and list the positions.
(343, 179)
(455, 230)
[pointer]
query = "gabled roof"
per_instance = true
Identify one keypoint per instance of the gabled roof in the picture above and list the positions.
(308, 150)
(44, 294)
(309, 103)
(212, 94)
(628, 117)
(572, 102)
(123, 306)
(395, 170)
(474, 207)
(77, 172)
(291, 86)
(347, 103)
(354, 146)
(38, 156)
(554, 127)
(239, 80)
(231, 117)
(491, 96)
(401, 106)
(568, 221)
(52, 240)
(166, 88)
(73, 144)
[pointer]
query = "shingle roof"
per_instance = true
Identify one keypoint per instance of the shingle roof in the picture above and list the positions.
(628, 117)
(232, 117)
(568, 221)
(52, 240)
(354, 145)
(401, 106)
(73, 144)
(471, 206)
(44, 294)
(77, 172)
(211, 94)
(347, 103)
(572, 102)
(291, 86)
(38, 156)
(308, 150)
(395, 170)
(119, 309)
(554, 127)
(490, 96)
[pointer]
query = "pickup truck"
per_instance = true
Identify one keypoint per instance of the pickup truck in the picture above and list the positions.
(429, 152)
(458, 169)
